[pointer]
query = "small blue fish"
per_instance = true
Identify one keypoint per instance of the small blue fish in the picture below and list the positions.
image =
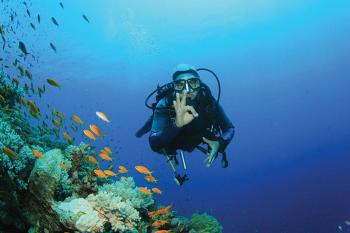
(23, 48)
(53, 47)
(86, 19)
(54, 21)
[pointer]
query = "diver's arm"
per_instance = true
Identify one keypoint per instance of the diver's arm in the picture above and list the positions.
(163, 130)
(227, 128)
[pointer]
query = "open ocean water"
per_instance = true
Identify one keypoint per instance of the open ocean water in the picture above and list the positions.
(284, 68)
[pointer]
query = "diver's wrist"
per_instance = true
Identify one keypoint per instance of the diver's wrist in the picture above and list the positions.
(177, 125)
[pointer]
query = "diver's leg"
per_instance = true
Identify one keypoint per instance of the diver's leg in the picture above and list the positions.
(175, 159)
(224, 161)
(171, 164)
(168, 157)
(179, 180)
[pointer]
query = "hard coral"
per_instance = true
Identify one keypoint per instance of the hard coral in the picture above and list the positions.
(205, 223)
(18, 169)
(84, 182)
(9, 90)
(127, 190)
(116, 204)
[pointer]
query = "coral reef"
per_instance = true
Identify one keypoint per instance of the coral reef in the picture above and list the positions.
(17, 169)
(182, 224)
(60, 192)
(46, 175)
(115, 203)
(10, 91)
(79, 214)
(204, 223)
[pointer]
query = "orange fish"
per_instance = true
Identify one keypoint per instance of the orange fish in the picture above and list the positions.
(156, 190)
(32, 105)
(56, 123)
(151, 179)
(53, 82)
(108, 150)
(63, 166)
(103, 151)
(100, 173)
(160, 223)
(152, 214)
(89, 134)
(77, 119)
(105, 156)
(93, 159)
(103, 116)
(165, 210)
(96, 130)
(9, 152)
(123, 178)
(67, 137)
(37, 154)
(163, 231)
(109, 173)
(23, 101)
(143, 170)
(122, 169)
(145, 190)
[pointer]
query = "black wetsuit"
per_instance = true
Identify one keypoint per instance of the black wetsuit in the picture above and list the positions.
(166, 135)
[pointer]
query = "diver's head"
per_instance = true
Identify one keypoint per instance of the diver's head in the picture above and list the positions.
(186, 78)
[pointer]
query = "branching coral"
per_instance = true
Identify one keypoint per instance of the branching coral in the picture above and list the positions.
(77, 177)
(18, 169)
(83, 180)
(9, 90)
(127, 190)
(120, 214)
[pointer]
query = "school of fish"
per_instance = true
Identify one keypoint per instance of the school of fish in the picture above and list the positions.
(92, 133)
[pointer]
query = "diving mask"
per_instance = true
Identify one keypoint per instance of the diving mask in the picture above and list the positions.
(191, 83)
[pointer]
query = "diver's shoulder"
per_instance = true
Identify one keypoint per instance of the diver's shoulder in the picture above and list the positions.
(163, 102)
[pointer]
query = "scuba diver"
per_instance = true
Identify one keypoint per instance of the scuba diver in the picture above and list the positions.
(184, 116)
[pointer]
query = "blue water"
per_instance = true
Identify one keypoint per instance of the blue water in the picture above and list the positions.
(284, 68)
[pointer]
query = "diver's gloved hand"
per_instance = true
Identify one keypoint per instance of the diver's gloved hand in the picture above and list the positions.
(184, 113)
(214, 146)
